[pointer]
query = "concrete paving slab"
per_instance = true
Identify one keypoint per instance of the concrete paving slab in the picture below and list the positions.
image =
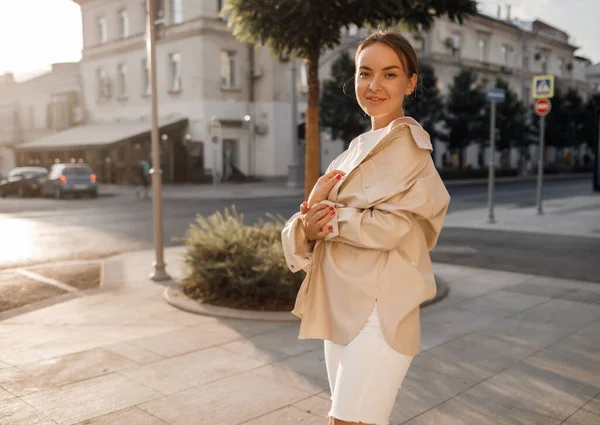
(16, 412)
(191, 370)
(470, 409)
(185, 340)
(465, 359)
(285, 341)
(50, 373)
(287, 416)
(251, 349)
(130, 416)
(583, 418)
(523, 334)
(424, 389)
(536, 389)
(316, 405)
(285, 375)
(134, 353)
(502, 303)
(5, 395)
(561, 312)
(229, 401)
(88, 399)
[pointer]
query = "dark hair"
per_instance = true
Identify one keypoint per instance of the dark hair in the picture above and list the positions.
(406, 53)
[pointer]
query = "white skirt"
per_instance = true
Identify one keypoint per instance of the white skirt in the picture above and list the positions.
(365, 375)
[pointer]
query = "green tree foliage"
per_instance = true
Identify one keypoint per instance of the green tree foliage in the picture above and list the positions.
(305, 28)
(339, 109)
(565, 124)
(465, 113)
(511, 119)
(426, 105)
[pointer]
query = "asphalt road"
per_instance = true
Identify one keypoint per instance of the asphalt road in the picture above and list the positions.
(40, 230)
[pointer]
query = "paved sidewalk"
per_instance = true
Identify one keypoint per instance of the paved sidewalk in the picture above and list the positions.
(573, 216)
(502, 348)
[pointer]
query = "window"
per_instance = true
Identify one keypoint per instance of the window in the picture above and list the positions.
(561, 67)
(124, 23)
(175, 65)
(145, 77)
(455, 40)
(176, 11)
(103, 84)
(31, 114)
(506, 51)
(544, 64)
(526, 63)
(228, 77)
(122, 79)
(102, 30)
(483, 50)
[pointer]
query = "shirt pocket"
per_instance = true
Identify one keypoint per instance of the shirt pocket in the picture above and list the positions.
(379, 181)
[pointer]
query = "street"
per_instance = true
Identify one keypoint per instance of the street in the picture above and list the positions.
(39, 230)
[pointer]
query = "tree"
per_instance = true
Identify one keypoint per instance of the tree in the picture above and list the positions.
(511, 119)
(565, 124)
(426, 105)
(304, 28)
(339, 110)
(465, 113)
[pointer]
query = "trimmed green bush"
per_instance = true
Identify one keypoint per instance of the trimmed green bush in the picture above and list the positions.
(238, 265)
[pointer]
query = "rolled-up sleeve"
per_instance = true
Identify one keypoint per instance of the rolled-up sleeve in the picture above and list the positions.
(296, 247)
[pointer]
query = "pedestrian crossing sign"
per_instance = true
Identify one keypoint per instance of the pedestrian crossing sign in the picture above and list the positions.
(543, 87)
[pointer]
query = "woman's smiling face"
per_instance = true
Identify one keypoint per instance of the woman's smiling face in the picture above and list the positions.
(381, 83)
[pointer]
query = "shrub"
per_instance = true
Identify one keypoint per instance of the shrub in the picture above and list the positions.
(238, 265)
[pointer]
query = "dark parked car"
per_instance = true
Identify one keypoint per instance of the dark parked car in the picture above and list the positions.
(75, 179)
(23, 181)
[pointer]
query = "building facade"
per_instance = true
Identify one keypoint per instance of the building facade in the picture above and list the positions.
(203, 74)
(36, 108)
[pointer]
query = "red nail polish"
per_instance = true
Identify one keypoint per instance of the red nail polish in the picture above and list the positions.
(339, 176)
(330, 228)
(332, 212)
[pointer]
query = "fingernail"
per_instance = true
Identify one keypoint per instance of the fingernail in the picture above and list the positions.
(331, 228)
(332, 212)
(339, 176)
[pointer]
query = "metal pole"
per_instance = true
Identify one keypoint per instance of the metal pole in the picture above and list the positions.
(294, 169)
(540, 178)
(492, 166)
(159, 273)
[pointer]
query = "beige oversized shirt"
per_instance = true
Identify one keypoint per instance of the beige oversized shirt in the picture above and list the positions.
(390, 209)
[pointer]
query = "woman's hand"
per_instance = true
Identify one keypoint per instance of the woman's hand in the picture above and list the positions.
(315, 219)
(323, 186)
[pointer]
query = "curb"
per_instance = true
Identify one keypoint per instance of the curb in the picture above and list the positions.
(178, 299)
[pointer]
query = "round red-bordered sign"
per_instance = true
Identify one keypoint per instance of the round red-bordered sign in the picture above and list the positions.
(542, 107)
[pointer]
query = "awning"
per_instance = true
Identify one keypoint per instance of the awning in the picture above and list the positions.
(100, 134)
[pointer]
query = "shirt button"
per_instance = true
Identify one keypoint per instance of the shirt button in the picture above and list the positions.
(368, 185)
(413, 263)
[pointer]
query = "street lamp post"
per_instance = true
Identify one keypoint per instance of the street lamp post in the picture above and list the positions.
(159, 274)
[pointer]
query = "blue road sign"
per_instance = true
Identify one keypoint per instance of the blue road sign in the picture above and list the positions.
(495, 95)
(543, 87)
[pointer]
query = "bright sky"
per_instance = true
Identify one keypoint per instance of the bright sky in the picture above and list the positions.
(36, 33)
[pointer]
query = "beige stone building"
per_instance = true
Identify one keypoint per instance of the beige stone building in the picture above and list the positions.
(36, 108)
(203, 74)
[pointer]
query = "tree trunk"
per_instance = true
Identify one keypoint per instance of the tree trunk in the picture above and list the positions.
(312, 171)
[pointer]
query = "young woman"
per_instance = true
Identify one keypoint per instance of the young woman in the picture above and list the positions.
(364, 237)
